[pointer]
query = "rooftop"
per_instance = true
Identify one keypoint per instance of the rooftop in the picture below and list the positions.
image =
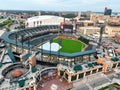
(90, 27)
(37, 18)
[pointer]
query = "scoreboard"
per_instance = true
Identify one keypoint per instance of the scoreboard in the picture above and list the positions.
(68, 28)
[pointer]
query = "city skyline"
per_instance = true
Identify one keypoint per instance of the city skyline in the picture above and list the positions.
(60, 5)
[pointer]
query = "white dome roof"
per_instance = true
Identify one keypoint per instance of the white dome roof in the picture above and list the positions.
(37, 18)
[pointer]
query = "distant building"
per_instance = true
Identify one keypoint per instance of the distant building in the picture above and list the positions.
(88, 30)
(88, 13)
(60, 14)
(107, 11)
(39, 13)
(112, 29)
(114, 19)
(98, 17)
(3, 13)
(84, 23)
(79, 14)
(44, 20)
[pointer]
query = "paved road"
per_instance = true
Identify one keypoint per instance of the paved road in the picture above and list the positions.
(81, 87)
(12, 27)
(98, 82)
(2, 20)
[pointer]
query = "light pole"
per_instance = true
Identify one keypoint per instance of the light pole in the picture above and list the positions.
(16, 40)
(50, 49)
(42, 48)
(29, 44)
(22, 36)
(102, 28)
(60, 43)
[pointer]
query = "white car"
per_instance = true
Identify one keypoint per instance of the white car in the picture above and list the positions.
(110, 54)
(110, 50)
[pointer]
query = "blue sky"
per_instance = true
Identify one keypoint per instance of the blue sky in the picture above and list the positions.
(60, 5)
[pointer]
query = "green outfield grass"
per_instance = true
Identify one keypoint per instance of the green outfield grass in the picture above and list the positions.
(70, 46)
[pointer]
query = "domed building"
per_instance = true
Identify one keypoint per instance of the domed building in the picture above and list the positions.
(44, 20)
(117, 37)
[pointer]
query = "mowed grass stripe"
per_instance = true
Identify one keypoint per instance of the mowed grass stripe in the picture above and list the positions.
(70, 46)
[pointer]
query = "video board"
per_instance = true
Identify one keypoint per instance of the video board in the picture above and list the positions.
(68, 28)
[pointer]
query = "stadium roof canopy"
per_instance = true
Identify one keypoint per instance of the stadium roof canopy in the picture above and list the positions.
(71, 55)
(6, 38)
(28, 33)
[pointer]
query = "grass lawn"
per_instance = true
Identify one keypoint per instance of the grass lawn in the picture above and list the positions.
(70, 46)
(115, 85)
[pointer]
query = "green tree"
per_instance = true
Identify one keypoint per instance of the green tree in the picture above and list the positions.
(8, 29)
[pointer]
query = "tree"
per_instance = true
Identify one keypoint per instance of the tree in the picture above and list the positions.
(8, 29)
(69, 16)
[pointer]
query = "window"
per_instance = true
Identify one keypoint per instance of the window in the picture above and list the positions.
(73, 78)
(66, 76)
(94, 71)
(81, 75)
(87, 73)
(100, 69)
(114, 65)
(61, 73)
(118, 64)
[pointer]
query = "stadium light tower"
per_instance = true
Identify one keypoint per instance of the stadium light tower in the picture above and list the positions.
(29, 43)
(102, 29)
(50, 49)
(22, 37)
(64, 20)
(42, 48)
(60, 44)
(16, 40)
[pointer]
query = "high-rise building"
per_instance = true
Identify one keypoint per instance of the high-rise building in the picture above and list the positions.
(60, 14)
(88, 13)
(79, 14)
(107, 11)
(39, 13)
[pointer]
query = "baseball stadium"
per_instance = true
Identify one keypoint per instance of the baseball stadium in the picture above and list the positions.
(49, 57)
(53, 44)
